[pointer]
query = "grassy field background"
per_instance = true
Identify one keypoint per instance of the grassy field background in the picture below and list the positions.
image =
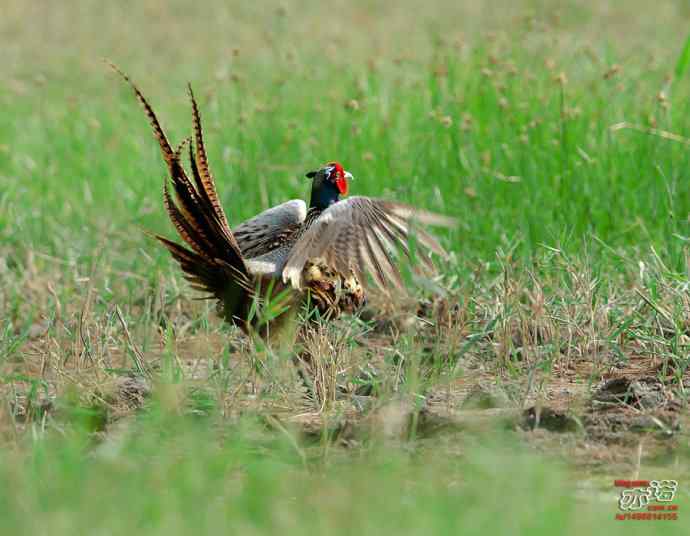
(556, 132)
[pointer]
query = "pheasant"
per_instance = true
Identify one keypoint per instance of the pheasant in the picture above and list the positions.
(261, 271)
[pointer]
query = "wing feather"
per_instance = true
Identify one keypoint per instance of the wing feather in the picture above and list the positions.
(365, 235)
(267, 231)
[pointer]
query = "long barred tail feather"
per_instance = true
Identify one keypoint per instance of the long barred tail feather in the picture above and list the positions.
(215, 263)
(204, 179)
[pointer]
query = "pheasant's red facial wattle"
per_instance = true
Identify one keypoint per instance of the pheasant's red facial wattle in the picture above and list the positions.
(341, 183)
(339, 177)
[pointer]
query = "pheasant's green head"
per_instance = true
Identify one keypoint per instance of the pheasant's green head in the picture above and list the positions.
(328, 184)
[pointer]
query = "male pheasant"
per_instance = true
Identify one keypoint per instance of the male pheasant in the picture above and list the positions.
(267, 266)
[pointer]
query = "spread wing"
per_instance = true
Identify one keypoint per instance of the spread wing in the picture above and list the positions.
(269, 230)
(364, 235)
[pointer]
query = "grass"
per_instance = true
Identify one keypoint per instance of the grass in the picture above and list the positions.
(171, 476)
(126, 405)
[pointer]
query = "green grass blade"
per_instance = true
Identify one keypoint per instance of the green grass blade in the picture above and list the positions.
(683, 59)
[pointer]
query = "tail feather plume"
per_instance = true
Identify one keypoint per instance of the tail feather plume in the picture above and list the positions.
(204, 179)
(215, 263)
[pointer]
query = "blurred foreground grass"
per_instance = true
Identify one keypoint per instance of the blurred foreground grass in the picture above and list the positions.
(165, 474)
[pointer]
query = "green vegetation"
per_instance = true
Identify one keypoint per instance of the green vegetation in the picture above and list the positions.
(556, 132)
(171, 476)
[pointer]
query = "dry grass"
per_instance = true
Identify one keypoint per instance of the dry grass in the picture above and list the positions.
(519, 345)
